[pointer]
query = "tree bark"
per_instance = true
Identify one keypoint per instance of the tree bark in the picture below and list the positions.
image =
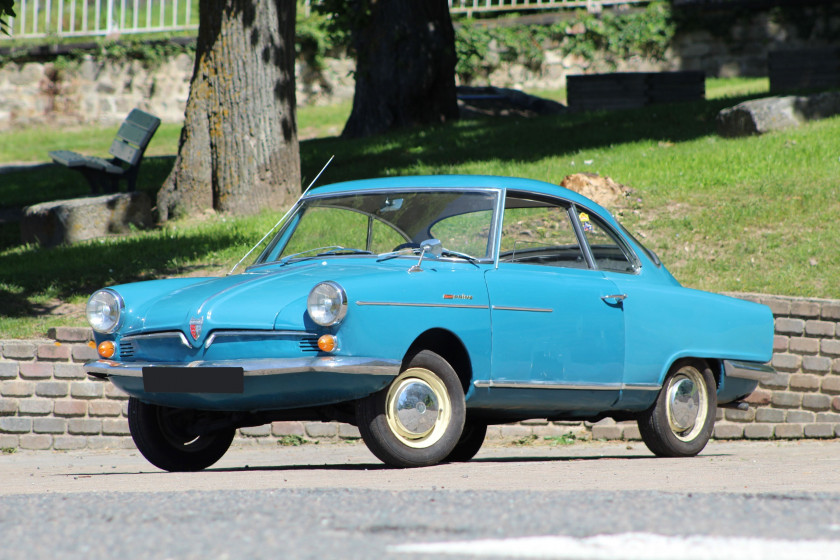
(238, 151)
(405, 67)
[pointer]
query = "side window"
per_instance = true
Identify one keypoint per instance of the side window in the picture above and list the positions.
(537, 232)
(466, 233)
(609, 252)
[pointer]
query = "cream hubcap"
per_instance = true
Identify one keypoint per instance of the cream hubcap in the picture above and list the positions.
(417, 408)
(687, 403)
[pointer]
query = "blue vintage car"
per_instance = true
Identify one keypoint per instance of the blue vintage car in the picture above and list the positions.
(423, 309)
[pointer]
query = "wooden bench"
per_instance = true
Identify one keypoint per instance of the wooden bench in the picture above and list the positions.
(127, 150)
(627, 90)
(804, 69)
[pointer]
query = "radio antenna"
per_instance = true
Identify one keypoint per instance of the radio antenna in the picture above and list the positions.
(286, 215)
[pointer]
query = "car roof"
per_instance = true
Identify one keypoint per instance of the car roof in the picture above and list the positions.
(468, 182)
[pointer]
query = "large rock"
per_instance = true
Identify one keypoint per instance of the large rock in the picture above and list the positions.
(602, 190)
(503, 102)
(70, 221)
(776, 113)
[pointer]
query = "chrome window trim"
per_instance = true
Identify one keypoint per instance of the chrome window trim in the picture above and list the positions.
(465, 189)
(567, 386)
(245, 334)
(496, 192)
(625, 247)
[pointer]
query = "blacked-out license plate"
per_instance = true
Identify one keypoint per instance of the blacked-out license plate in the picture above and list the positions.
(193, 380)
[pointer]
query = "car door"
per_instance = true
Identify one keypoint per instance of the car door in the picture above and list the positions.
(554, 325)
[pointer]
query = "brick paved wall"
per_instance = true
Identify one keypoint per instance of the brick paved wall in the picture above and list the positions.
(47, 401)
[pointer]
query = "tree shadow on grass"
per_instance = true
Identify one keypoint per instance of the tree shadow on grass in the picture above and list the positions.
(512, 139)
(66, 271)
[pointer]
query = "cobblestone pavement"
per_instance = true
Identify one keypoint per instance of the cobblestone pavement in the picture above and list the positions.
(742, 467)
(738, 500)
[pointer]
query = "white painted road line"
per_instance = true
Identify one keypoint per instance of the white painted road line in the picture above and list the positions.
(633, 546)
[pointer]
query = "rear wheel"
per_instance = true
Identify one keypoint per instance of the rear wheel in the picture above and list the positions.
(417, 420)
(168, 438)
(680, 422)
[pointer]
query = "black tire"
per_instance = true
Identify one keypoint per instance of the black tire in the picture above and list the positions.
(166, 438)
(417, 420)
(472, 438)
(680, 422)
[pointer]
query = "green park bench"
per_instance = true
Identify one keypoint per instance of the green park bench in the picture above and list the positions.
(127, 150)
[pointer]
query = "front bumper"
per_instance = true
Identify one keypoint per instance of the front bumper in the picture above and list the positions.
(269, 384)
(282, 366)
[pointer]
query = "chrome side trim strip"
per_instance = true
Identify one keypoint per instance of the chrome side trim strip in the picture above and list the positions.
(168, 334)
(568, 386)
(271, 366)
(531, 309)
(400, 304)
(215, 335)
(754, 371)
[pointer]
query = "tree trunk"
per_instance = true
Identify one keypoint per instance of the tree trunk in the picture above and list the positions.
(238, 151)
(405, 67)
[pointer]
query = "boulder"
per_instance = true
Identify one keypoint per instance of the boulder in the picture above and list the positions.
(776, 113)
(70, 221)
(503, 102)
(602, 190)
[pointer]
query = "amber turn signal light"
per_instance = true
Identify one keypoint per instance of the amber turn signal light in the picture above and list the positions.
(327, 343)
(106, 349)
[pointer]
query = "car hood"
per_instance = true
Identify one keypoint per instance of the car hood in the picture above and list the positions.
(265, 298)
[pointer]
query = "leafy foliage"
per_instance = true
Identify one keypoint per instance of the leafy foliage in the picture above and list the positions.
(612, 34)
(6, 10)
(317, 34)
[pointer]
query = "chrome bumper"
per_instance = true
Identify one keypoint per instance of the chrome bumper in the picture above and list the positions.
(752, 371)
(324, 364)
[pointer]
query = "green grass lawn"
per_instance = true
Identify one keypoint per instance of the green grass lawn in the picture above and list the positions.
(758, 214)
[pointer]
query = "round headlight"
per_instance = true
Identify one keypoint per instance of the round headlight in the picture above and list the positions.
(327, 304)
(103, 311)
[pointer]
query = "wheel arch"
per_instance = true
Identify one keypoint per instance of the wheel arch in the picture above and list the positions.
(714, 364)
(447, 345)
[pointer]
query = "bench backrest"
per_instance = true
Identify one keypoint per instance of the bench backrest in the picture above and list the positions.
(133, 136)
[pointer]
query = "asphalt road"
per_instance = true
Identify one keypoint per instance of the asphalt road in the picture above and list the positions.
(737, 500)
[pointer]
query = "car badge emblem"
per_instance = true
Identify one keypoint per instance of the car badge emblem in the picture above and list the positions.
(195, 327)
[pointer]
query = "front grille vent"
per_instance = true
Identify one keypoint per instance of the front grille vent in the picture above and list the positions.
(127, 349)
(309, 344)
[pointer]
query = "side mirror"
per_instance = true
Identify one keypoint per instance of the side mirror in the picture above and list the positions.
(432, 247)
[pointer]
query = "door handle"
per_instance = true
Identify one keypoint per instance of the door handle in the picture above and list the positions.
(617, 297)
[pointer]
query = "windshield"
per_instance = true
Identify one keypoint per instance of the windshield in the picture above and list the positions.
(379, 223)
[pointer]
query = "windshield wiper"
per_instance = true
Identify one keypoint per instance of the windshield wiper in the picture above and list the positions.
(402, 252)
(329, 250)
(316, 250)
(451, 253)
(345, 251)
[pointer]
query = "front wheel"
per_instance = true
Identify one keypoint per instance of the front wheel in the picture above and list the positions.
(168, 439)
(417, 420)
(680, 422)
(472, 438)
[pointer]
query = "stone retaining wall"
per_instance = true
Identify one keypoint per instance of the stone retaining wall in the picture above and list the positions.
(93, 91)
(47, 401)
